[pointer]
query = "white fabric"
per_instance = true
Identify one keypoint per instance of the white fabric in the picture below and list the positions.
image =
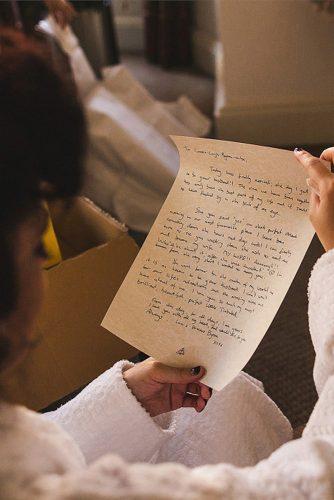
(106, 417)
(40, 459)
(83, 74)
(141, 163)
(117, 192)
(241, 425)
(132, 163)
(186, 112)
(175, 118)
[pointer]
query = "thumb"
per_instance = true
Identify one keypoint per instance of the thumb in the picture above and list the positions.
(328, 154)
(173, 375)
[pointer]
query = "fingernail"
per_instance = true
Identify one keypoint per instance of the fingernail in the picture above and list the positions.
(196, 370)
(298, 150)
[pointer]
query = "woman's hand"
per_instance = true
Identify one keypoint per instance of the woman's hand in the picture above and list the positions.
(160, 388)
(62, 11)
(321, 182)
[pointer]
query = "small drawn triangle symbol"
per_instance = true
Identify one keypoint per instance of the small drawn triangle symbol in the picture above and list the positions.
(180, 352)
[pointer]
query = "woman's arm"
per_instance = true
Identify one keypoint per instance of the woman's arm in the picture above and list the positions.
(321, 285)
(62, 11)
(114, 413)
(321, 318)
(300, 469)
(105, 418)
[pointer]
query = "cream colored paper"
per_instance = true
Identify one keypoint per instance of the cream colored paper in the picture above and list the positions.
(219, 259)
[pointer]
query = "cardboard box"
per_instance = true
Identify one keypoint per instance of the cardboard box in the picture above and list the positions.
(74, 348)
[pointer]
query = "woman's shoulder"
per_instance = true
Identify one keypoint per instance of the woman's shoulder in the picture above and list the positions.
(30, 444)
(14, 416)
(17, 422)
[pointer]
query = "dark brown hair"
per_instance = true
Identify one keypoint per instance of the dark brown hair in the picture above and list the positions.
(42, 143)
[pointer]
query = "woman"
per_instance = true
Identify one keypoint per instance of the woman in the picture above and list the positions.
(135, 412)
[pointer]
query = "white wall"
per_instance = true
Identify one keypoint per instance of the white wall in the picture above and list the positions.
(276, 80)
(205, 35)
(129, 23)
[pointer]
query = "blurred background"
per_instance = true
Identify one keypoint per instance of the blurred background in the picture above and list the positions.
(260, 68)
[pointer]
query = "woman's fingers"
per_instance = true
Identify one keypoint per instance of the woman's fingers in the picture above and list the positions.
(314, 204)
(206, 392)
(196, 402)
(171, 375)
(319, 177)
(315, 168)
(328, 154)
(321, 182)
(194, 389)
(62, 10)
(199, 389)
(313, 185)
(197, 396)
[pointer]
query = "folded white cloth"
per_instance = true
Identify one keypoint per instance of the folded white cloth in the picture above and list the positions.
(173, 118)
(83, 74)
(131, 166)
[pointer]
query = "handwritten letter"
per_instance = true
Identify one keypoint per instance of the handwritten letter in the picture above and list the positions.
(219, 259)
